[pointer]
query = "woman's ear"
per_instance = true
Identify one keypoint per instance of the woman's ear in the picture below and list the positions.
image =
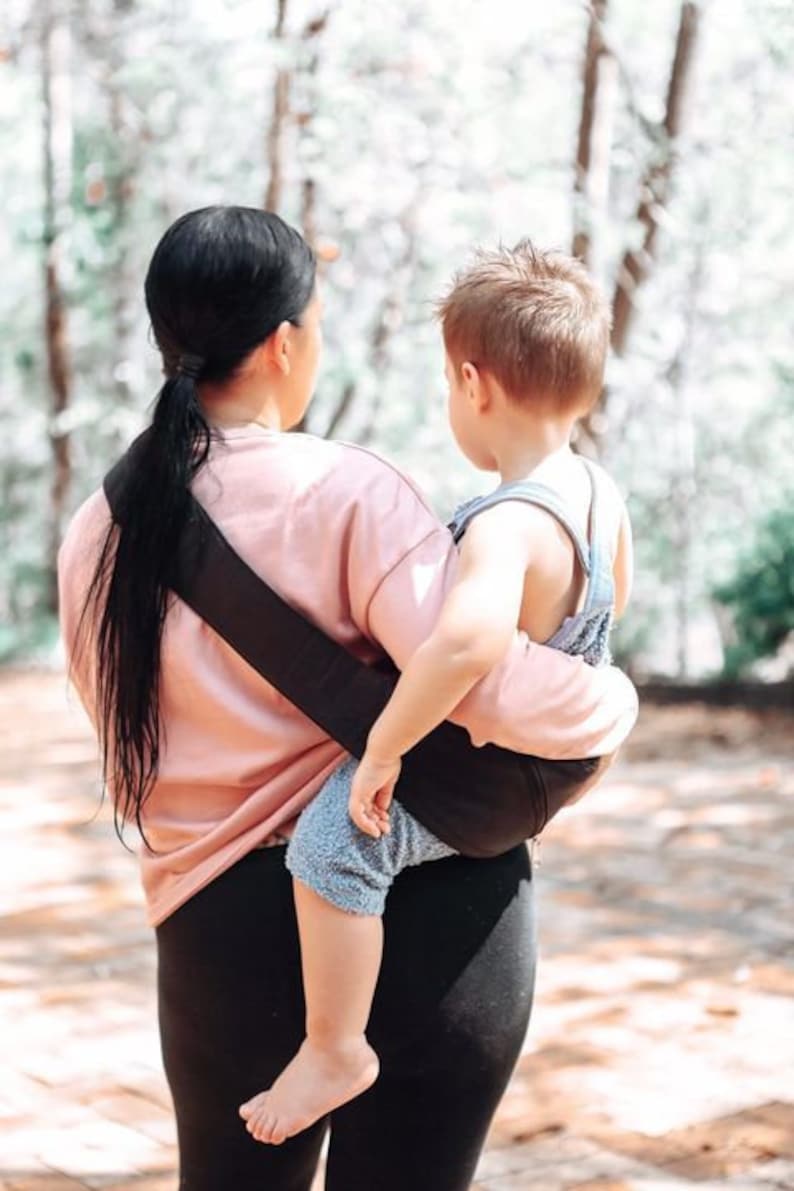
(277, 347)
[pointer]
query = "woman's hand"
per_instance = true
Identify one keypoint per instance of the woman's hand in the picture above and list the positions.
(371, 794)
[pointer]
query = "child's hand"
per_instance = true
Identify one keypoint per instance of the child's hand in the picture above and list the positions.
(371, 795)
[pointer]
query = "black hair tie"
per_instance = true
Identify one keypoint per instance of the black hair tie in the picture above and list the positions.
(190, 365)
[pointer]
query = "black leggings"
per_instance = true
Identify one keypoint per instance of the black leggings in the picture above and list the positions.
(450, 1014)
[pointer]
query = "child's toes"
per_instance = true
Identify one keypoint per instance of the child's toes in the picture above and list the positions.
(264, 1128)
(254, 1121)
(276, 1134)
(249, 1107)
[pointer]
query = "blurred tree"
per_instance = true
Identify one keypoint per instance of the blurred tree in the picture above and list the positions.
(278, 120)
(655, 185)
(312, 33)
(125, 152)
(57, 143)
(594, 142)
(683, 477)
(592, 176)
(411, 132)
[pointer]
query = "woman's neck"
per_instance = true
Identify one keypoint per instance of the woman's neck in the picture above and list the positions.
(227, 410)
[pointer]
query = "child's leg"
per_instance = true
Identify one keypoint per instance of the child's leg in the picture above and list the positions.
(340, 960)
(341, 878)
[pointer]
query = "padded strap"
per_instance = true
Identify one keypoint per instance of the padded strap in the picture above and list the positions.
(601, 584)
(592, 548)
(480, 801)
(278, 642)
(534, 494)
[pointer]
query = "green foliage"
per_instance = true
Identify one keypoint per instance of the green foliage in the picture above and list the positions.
(760, 595)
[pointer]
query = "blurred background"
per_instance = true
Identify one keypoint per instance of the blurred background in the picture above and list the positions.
(654, 140)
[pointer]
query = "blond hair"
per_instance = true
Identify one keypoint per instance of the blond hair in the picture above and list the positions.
(535, 319)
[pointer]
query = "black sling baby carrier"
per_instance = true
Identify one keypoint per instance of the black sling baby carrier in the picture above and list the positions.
(480, 801)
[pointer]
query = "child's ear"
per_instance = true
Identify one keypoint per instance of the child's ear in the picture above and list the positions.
(475, 387)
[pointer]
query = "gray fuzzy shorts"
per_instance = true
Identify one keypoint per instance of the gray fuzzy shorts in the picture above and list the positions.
(352, 870)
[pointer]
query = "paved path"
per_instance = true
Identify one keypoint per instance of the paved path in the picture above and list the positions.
(661, 1053)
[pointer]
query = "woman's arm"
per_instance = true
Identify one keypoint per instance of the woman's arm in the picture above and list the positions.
(537, 700)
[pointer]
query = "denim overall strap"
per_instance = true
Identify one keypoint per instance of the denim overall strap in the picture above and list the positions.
(601, 585)
(531, 493)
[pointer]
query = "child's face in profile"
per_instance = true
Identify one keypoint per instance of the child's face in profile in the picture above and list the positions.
(467, 413)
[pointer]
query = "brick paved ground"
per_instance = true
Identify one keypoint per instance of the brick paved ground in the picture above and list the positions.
(661, 1053)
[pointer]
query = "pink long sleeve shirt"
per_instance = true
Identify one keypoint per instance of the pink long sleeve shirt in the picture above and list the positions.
(348, 541)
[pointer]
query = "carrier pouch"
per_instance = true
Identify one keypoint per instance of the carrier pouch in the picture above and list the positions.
(481, 801)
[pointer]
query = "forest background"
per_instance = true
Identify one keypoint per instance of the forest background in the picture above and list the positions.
(654, 140)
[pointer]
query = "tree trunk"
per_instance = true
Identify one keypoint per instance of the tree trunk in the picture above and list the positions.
(655, 186)
(594, 142)
(121, 189)
(390, 318)
(310, 62)
(684, 488)
(275, 134)
(654, 191)
(310, 38)
(57, 138)
(342, 406)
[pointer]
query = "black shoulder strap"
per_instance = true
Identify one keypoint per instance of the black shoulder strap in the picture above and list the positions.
(481, 801)
(278, 642)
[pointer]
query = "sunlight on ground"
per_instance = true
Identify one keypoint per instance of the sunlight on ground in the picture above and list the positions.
(661, 1046)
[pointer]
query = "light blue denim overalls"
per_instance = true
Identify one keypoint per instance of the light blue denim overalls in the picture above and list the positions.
(350, 869)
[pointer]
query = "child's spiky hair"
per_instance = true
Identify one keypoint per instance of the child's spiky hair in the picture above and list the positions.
(535, 319)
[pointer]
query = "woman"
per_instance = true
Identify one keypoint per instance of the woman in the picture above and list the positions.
(214, 766)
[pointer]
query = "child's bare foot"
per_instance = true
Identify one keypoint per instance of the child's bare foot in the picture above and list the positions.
(316, 1082)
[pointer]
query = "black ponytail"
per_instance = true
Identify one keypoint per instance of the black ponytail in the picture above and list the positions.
(220, 281)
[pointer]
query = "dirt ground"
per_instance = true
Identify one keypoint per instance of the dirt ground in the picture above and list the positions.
(661, 1051)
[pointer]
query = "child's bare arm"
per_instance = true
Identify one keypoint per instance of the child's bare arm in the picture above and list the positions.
(473, 632)
(623, 566)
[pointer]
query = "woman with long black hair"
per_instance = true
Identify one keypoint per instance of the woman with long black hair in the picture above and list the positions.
(214, 765)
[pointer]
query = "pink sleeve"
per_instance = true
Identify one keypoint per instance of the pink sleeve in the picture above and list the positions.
(538, 700)
(77, 557)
